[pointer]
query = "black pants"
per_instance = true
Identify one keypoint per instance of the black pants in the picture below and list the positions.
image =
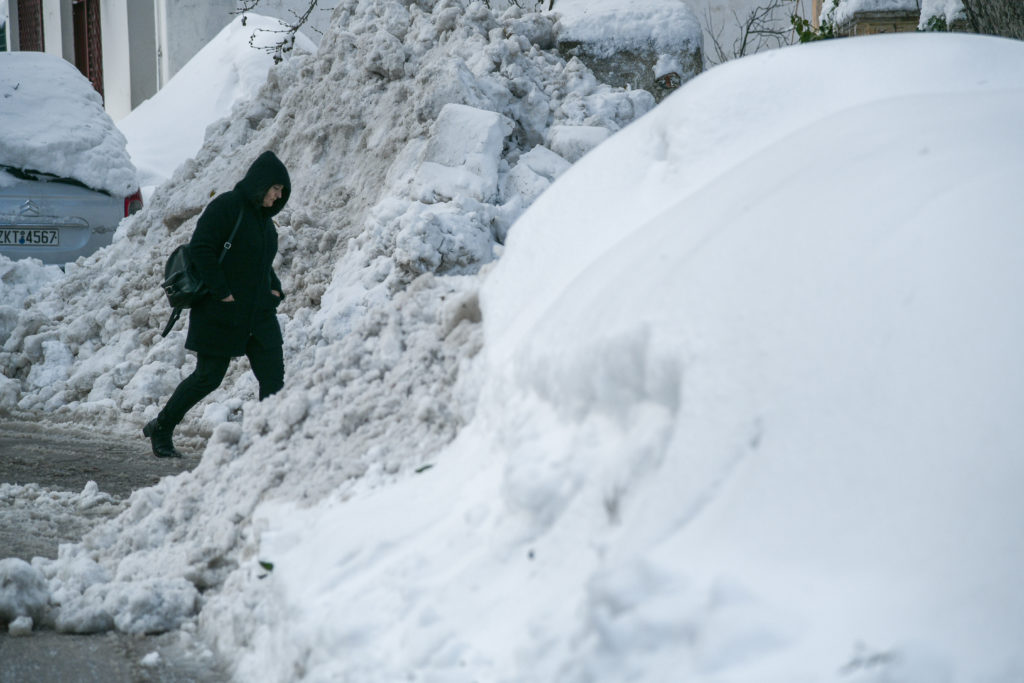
(267, 365)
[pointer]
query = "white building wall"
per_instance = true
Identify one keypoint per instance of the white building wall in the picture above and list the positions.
(189, 25)
(58, 30)
(117, 77)
(53, 38)
(142, 50)
(67, 28)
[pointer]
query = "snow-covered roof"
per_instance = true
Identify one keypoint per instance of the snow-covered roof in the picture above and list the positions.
(52, 120)
(665, 25)
(845, 10)
(950, 10)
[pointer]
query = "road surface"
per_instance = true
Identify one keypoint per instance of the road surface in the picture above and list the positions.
(44, 469)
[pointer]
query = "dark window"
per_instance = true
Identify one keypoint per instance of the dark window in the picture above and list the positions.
(30, 25)
(85, 14)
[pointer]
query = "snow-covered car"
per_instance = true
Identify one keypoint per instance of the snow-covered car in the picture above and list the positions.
(66, 179)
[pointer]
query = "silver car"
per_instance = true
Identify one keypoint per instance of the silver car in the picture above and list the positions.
(66, 179)
(55, 219)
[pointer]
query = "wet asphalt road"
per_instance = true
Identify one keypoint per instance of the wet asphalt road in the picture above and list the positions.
(66, 458)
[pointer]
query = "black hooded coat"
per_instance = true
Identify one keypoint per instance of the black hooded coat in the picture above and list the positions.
(222, 328)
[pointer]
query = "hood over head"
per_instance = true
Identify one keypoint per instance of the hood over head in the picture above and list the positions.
(266, 171)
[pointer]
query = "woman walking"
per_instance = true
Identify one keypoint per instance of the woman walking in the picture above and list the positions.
(239, 315)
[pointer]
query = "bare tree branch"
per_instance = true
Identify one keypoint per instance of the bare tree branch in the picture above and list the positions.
(286, 43)
(761, 29)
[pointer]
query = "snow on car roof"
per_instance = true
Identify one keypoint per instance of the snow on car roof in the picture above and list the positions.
(52, 120)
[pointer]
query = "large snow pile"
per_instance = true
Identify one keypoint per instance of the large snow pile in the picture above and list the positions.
(758, 422)
(393, 180)
(788, 374)
(709, 436)
(169, 127)
(52, 120)
(415, 137)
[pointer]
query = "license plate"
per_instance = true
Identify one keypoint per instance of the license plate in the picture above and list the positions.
(29, 237)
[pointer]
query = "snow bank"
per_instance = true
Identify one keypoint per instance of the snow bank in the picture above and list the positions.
(654, 45)
(947, 10)
(719, 437)
(844, 11)
(22, 626)
(48, 518)
(52, 120)
(357, 127)
(20, 279)
(707, 435)
(414, 137)
(23, 593)
(664, 25)
(169, 127)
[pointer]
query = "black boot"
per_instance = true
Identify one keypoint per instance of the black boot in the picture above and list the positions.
(160, 437)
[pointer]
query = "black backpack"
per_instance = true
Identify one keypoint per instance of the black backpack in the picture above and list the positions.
(181, 281)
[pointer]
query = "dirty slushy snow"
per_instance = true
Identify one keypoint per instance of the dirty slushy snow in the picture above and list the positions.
(414, 137)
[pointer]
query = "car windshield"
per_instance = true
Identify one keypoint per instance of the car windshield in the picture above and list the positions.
(30, 174)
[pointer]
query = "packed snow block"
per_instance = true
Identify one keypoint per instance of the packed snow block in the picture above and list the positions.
(572, 142)
(534, 173)
(536, 27)
(23, 591)
(85, 613)
(153, 382)
(22, 626)
(74, 575)
(384, 56)
(628, 44)
(462, 155)
(8, 321)
(442, 238)
(136, 607)
(9, 390)
(151, 606)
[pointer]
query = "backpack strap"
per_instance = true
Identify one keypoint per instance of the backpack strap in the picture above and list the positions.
(175, 314)
(234, 231)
